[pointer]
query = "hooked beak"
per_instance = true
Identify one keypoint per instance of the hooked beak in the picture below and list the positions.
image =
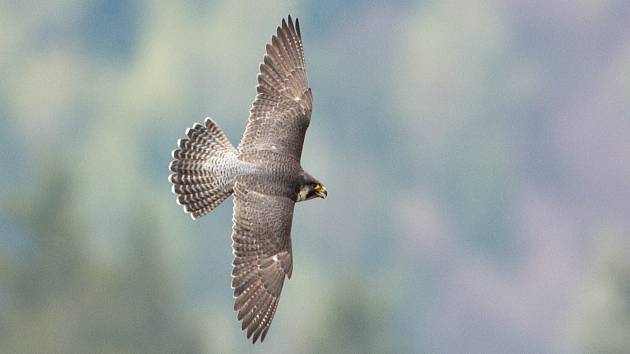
(322, 192)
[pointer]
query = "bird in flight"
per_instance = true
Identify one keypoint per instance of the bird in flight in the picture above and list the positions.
(264, 174)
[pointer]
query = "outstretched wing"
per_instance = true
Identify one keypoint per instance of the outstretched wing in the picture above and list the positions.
(281, 111)
(261, 242)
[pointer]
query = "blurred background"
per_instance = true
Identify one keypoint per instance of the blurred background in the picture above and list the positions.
(477, 157)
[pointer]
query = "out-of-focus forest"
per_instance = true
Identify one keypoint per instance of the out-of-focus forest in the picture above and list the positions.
(476, 153)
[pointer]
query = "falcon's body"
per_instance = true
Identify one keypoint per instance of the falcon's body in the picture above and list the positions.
(264, 174)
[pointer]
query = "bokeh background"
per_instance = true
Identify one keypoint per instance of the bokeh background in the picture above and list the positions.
(477, 155)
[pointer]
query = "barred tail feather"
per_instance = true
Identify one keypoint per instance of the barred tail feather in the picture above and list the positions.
(204, 169)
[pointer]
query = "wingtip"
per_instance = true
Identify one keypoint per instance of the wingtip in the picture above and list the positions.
(264, 335)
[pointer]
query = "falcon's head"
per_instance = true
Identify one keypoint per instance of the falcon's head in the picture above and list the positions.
(311, 188)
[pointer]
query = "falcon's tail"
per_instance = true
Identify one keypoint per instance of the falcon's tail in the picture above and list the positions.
(204, 168)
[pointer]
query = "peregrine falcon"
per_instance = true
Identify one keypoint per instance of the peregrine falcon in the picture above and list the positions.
(264, 174)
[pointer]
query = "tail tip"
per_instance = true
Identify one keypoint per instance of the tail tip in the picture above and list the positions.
(191, 178)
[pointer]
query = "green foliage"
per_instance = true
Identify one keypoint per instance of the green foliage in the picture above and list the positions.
(601, 320)
(59, 300)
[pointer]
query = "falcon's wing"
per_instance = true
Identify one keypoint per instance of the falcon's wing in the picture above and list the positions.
(281, 111)
(261, 242)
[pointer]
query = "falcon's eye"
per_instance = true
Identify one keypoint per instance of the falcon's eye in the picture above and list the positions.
(320, 191)
(312, 190)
